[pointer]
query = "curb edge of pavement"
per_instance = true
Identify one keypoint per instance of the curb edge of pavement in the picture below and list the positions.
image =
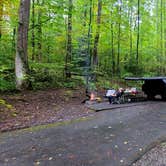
(40, 127)
(152, 145)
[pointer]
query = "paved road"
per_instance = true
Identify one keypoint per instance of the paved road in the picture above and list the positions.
(112, 138)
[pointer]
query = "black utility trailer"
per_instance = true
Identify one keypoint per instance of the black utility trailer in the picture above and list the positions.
(152, 86)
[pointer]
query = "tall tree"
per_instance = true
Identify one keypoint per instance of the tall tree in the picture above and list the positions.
(164, 31)
(157, 35)
(96, 40)
(89, 33)
(119, 35)
(33, 30)
(138, 32)
(162, 42)
(14, 41)
(69, 40)
(39, 31)
(88, 57)
(21, 60)
(112, 44)
(131, 34)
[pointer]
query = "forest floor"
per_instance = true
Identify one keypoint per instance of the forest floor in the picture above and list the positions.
(31, 108)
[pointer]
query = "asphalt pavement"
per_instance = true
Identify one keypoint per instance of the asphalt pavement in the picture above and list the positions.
(111, 138)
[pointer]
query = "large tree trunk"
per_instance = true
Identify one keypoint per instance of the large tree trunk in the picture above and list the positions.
(69, 41)
(21, 60)
(96, 40)
(88, 58)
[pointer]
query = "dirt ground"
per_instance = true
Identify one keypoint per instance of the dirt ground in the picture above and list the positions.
(32, 108)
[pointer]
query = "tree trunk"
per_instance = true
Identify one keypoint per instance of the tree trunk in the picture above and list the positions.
(164, 33)
(158, 37)
(21, 60)
(69, 41)
(88, 58)
(1, 15)
(131, 35)
(119, 37)
(14, 42)
(112, 46)
(39, 33)
(33, 30)
(89, 34)
(96, 40)
(48, 54)
(161, 36)
(85, 15)
(161, 26)
(138, 32)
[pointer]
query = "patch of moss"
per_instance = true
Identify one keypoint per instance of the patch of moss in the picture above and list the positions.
(6, 110)
(68, 93)
(3, 103)
(56, 124)
(163, 145)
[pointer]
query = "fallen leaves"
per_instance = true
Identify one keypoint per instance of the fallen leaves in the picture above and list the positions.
(50, 158)
(41, 107)
(95, 127)
(121, 161)
(125, 142)
(140, 149)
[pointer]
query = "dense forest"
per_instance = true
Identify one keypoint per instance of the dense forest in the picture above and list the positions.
(66, 43)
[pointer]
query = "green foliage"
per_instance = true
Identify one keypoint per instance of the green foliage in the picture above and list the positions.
(133, 69)
(70, 84)
(6, 85)
(7, 81)
(103, 83)
(44, 75)
(49, 70)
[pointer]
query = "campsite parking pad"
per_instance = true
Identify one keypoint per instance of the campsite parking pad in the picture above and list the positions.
(111, 138)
